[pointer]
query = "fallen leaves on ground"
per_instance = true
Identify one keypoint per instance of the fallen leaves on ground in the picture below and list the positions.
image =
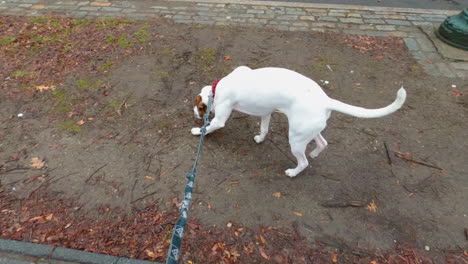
(42, 88)
(37, 163)
(372, 206)
(456, 92)
(145, 234)
(404, 155)
(277, 194)
(377, 47)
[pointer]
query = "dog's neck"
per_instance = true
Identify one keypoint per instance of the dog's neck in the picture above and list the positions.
(213, 87)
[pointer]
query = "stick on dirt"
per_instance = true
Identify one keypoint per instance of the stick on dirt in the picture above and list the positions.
(388, 154)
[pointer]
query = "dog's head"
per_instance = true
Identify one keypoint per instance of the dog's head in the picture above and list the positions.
(201, 102)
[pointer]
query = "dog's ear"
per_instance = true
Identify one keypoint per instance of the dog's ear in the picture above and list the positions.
(200, 106)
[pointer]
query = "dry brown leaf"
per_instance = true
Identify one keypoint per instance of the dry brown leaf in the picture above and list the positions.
(404, 155)
(263, 254)
(42, 88)
(456, 92)
(150, 253)
(262, 239)
(49, 217)
(80, 123)
(227, 58)
(372, 206)
(334, 257)
(298, 213)
(37, 163)
(277, 194)
(149, 178)
(35, 218)
(234, 182)
(374, 262)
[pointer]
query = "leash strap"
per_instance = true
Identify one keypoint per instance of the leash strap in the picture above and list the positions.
(175, 248)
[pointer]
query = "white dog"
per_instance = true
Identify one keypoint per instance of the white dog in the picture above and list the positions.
(263, 91)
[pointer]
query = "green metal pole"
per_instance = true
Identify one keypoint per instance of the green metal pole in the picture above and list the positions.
(454, 30)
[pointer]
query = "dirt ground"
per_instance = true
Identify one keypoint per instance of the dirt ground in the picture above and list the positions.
(117, 134)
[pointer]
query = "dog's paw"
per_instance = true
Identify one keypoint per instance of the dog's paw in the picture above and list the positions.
(258, 139)
(196, 131)
(314, 153)
(290, 172)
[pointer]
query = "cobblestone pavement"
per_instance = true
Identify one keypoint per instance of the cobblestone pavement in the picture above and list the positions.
(356, 20)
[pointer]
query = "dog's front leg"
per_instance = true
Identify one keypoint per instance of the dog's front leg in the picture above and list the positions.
(263, 128)
(222, 114)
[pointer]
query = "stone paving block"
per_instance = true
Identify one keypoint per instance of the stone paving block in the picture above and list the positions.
(431, 69)
(90, 8)
(354, 31)
(111, 9)
(398, 34)
(425, 44)
(352, 20)
(334, 14)
(397, 22)
(419, 55)
(460, 65)
(400, 17)
(287, 17)
(411, 44)
(265, 16)
(367, 27)
(385, 27)
(353, 15)
(371, 16)
(414, 17)
(324, 24)
(327, 19)
(445, 70)
(255, 11)
(374, 21)
(316, 10)
(308, 18)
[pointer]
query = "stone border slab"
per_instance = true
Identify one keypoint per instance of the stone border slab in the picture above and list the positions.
(48, 252)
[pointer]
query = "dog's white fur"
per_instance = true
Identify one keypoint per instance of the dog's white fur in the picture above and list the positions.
(262, 91)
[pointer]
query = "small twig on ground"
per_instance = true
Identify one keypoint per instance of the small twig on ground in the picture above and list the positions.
(119, 109)
(171, 169)
(415, 161)
(143, 197)
(68, 175)
(96, 171)
(326, 176)
(388, 154)
(17, 168)
(274, 144)
(341, 203)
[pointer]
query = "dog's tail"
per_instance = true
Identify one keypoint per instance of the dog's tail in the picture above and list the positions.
(336, 105)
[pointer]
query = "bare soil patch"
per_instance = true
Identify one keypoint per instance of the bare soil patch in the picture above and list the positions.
(105, 107)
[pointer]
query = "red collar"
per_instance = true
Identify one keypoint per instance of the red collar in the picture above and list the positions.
(213, 87)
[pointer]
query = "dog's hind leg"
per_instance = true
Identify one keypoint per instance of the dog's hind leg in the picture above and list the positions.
(321, 145)
(298, 147)
(265, 122)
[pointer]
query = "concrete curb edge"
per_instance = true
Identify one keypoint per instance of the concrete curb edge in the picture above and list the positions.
(64, 254)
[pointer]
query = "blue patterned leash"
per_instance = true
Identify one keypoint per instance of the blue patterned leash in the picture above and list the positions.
(179, 228)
